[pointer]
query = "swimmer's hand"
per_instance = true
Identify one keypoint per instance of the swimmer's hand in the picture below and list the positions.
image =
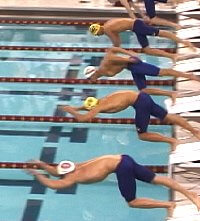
(32, 172)
(78, 117)
(66, 108)
(38, 163)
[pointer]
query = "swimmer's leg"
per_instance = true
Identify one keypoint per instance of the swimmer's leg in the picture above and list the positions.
(143, 110)
(163, 22)
(158, 52)
(150, 204)
(170, 35)
(176, 74)
(178, 120)
(156, 137)
(172, 184)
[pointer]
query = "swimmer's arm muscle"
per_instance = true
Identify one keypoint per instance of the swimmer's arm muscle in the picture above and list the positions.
(66, 107)
(137, 9)
(80, 117)
(42, 165)
(50, 169)
(114, 37)
(128, 8)
(53, 184)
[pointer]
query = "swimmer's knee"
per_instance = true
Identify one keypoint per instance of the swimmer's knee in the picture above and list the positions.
(145, 49)
(169, 118)
(142, 136)
(132, 203)
(164, 72)
(135, 203)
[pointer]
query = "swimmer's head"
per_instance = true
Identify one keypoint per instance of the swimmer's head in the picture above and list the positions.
(89, 71)
(95, 29)
(90, 103)
(65, 167)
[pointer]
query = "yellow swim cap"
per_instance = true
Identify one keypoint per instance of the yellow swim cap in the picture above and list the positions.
(94, 28)
(90, 103)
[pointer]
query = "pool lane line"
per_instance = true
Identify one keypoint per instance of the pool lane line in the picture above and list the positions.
(75, 22)
(82, 81)
(22, 165)
(71, 49)
(57, 119)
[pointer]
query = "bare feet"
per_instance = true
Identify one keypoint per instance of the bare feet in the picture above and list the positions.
(178, 27)
(196, 133)
(174, 144)
(170, 210)
(190, 45)
(174, 96)
(194, 77)
(195, 199)
(175, 58)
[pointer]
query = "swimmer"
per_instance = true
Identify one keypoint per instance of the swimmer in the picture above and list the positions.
(117, 59)
(128, 4)
(113, 27)
(150, 17)
(127, 172)
(144, 108)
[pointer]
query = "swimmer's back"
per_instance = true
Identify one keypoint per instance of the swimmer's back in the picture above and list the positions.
(119, 24)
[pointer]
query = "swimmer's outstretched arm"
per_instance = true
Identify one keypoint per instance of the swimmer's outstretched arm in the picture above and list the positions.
(138, 10)
(42, 165)
(50, 169)
(65, 108)
(53, 184)
(154, 91)
(114, 37)
(125, 3)
(82, 117)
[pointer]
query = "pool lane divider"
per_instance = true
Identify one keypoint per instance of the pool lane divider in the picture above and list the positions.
(83, 81)
(19, 165)
(75, 22)
(56, 119)
(71, 49)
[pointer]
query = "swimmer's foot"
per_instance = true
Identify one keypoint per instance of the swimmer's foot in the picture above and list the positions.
(174, 96)
(190, 45)
(178, 27)
(174, 144)
(170, 210)
(175, 58)
(181, 57)
(196, 133)
(195, 199)
(194, 77)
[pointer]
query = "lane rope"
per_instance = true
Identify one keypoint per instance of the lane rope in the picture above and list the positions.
(83, 81)
(18, 165)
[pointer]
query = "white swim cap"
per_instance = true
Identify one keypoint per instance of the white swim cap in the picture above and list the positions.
(89, 71)
(65, 167)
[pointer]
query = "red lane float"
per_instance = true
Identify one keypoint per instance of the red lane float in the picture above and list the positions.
(71, 49)
(17, 165)
(83, 81)
(24, 21)
(73, 120)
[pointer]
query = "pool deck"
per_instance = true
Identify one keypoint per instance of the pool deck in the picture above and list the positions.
(83, 8)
